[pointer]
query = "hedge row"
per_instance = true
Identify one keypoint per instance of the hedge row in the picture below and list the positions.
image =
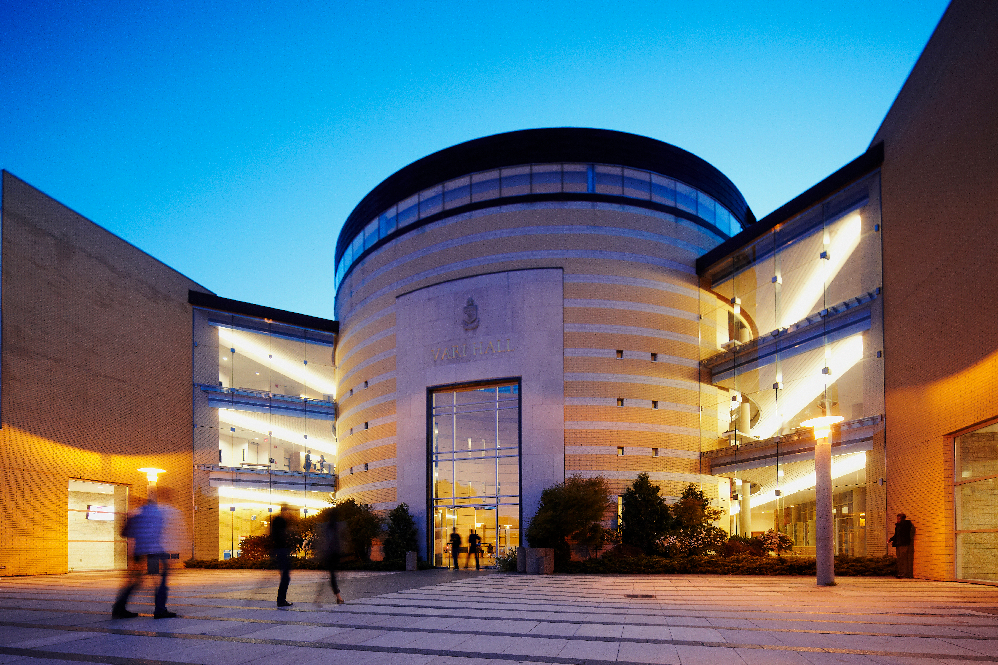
(733, 565)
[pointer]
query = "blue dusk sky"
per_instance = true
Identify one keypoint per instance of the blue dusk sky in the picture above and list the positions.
(231, 140)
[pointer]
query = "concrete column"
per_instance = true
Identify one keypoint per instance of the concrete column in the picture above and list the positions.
(745, 509)
(744, 417)
(824, 544)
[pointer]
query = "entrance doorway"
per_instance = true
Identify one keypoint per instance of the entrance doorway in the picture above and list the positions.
(475, 466)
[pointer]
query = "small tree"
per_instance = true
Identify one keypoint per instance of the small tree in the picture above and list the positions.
(693, 530)
(401, 535)
(645, 517)
(572, 509)
(776, 541)
(363, 526)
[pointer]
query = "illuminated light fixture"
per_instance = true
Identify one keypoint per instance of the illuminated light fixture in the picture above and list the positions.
(822, 426)
(152, 473)
(271, 499)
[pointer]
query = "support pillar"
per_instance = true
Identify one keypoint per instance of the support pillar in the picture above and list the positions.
(824, 543)
(745, 509)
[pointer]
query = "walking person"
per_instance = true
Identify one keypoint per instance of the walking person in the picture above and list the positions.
(904, 546)
(455, 546)
(151, 528)
(474, 547)
(331, 549)
(281, 548)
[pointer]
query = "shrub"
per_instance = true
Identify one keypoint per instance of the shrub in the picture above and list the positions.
(645, 516)
(506, 563)
(402, 535)
(572, 509)
(363, 526)
(775, 541)
(693, 532)
(743, 545)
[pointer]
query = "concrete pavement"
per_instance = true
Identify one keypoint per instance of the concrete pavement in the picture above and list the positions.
(456, 618)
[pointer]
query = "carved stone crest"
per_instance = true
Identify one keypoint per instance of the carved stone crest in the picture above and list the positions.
(470, 321)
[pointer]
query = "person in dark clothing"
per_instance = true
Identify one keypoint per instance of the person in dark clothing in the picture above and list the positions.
(455, 546)
(280, 542)
(474, 541)
(331, 549)
(903, 541)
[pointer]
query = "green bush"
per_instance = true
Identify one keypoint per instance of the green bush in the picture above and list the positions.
(506, 563)
(645, 515)
(693, 532)
(572, 509)
(402, 535)
(363, 526)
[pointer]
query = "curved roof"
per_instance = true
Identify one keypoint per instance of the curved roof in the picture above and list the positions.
(541, 146)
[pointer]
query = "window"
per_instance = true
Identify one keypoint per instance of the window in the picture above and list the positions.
(366, 467)
(366, 424)
(620, 401)
(620, 353)
(620, 451)
(654, 404)
(654, 357)
(365, 384)
(654, 452)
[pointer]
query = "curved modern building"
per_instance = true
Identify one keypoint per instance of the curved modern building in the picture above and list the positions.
(518, 309)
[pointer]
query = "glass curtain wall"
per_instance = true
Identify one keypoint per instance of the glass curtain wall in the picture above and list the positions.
(976, 498)
(790, 330)
(475, 466)
(264, 421)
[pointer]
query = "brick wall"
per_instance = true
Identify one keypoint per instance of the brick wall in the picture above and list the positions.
(940, 204)
(96, 375)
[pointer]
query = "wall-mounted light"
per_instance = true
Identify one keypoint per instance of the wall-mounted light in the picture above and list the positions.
(152, 473)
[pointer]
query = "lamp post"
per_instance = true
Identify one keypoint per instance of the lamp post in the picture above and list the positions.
(824, 548)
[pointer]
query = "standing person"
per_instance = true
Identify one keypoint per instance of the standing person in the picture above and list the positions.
(904, 546)
(474, 543)
(455, 546)
(281, 546)
(308, 461)
(322, 463)
(151, 528)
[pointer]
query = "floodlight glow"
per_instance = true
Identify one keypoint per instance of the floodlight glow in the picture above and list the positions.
(842, 465)
(822, 426)
(798, 395)
(839, 250)
(266, 498)
(247, 343)
(256, 424)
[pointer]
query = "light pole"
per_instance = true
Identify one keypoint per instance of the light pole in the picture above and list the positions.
(824, 549)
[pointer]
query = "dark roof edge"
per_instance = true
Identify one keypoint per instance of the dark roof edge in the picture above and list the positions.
(210, 301)
(870, 160)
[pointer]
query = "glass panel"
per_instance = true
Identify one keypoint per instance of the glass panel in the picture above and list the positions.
(371, 233)
(706, 208)
(609, 179)
(545, 178)
(977, 505)
(357, 246)
(97, 513)
(408, 211)
(575, 177)
(686, 198)
(977, 454)
(485, 185)
(976, 556)
(663, 190)
(457, 192)
(431, 201)
(637, 184)
(387, 222)
(516, 181)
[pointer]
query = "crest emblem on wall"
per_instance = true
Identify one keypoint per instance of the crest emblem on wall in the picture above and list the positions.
(470, 321)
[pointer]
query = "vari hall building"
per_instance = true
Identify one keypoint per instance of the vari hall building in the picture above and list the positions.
(529, 306)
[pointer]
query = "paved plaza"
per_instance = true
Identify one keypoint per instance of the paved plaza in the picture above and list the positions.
(447, 617)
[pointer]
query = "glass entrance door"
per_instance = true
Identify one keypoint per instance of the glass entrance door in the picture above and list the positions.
(475, 462)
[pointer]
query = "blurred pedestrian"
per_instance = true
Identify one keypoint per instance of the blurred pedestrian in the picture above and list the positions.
(455, 546)
(474, 543)
(152, 528)
(330, 550)
(904, 546)
(281, 548)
